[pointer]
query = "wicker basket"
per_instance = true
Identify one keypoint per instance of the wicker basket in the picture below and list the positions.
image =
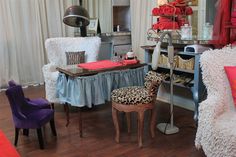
(185, 63)
(176, 61)
(164, 60)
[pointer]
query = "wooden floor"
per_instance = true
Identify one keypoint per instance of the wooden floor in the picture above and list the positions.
(98, 139)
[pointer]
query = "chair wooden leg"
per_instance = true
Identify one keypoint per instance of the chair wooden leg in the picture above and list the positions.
(52, 106)
(53, 128)
(138, 122)
(116, 124)
(140, 127)
(26, 132)
(40, 138)
(153, 122)
(16, 135)
(128, 121)
(66, 109)
(80, 123)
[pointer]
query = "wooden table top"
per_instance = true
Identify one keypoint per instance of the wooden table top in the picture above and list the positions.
(148, 47)
(74, 70)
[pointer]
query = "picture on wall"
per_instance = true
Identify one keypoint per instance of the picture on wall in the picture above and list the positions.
(94, 26)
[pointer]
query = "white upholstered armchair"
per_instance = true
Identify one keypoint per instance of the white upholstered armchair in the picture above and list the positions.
(56, 48)
(216, 133)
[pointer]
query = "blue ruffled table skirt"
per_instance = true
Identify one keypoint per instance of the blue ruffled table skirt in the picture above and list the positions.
(96, 89)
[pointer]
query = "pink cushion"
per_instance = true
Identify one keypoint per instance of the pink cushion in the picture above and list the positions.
(231, 74)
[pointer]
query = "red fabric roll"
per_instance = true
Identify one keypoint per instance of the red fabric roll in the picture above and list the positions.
(155, 26)
(161, 10)
(169, 10)
(166, 25)
(173, 3)
(155, 11)
(177, 11)
(181, 21)
(164, 19)
(188, 11)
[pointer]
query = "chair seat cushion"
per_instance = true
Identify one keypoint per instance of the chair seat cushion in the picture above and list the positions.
(39, 103)
(131, 95)
(35, 118)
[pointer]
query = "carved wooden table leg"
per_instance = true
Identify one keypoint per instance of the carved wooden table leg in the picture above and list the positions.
(116, 124)
(140, 127)
(66, 109)
(80, 123)
(128, 121)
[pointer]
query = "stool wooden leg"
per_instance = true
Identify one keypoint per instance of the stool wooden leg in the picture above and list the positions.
(140, 127)
(128, 121)
(116, 124)
(153, 122)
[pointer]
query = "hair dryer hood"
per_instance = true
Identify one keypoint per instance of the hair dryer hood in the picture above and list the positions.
(76, 16)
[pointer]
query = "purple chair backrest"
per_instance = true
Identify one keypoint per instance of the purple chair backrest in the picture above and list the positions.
(12, 83)
(17, 101)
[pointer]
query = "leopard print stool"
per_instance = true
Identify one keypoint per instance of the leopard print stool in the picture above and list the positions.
(137, 99)
(131, 95)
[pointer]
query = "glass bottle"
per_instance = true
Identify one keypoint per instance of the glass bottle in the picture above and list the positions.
(186, 32)
(115, 57)
(207, 31)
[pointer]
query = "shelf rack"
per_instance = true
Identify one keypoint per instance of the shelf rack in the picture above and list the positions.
(196, 86)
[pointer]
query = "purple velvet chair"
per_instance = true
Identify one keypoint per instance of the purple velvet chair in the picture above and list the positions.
(38, 102)
(27, 116)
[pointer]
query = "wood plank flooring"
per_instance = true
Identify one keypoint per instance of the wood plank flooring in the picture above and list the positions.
(98, 133)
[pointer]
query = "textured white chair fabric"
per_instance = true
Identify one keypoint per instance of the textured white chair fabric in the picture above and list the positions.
(216, 133)
(56, 48)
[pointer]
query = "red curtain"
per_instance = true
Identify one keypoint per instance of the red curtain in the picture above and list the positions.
(222, 35)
